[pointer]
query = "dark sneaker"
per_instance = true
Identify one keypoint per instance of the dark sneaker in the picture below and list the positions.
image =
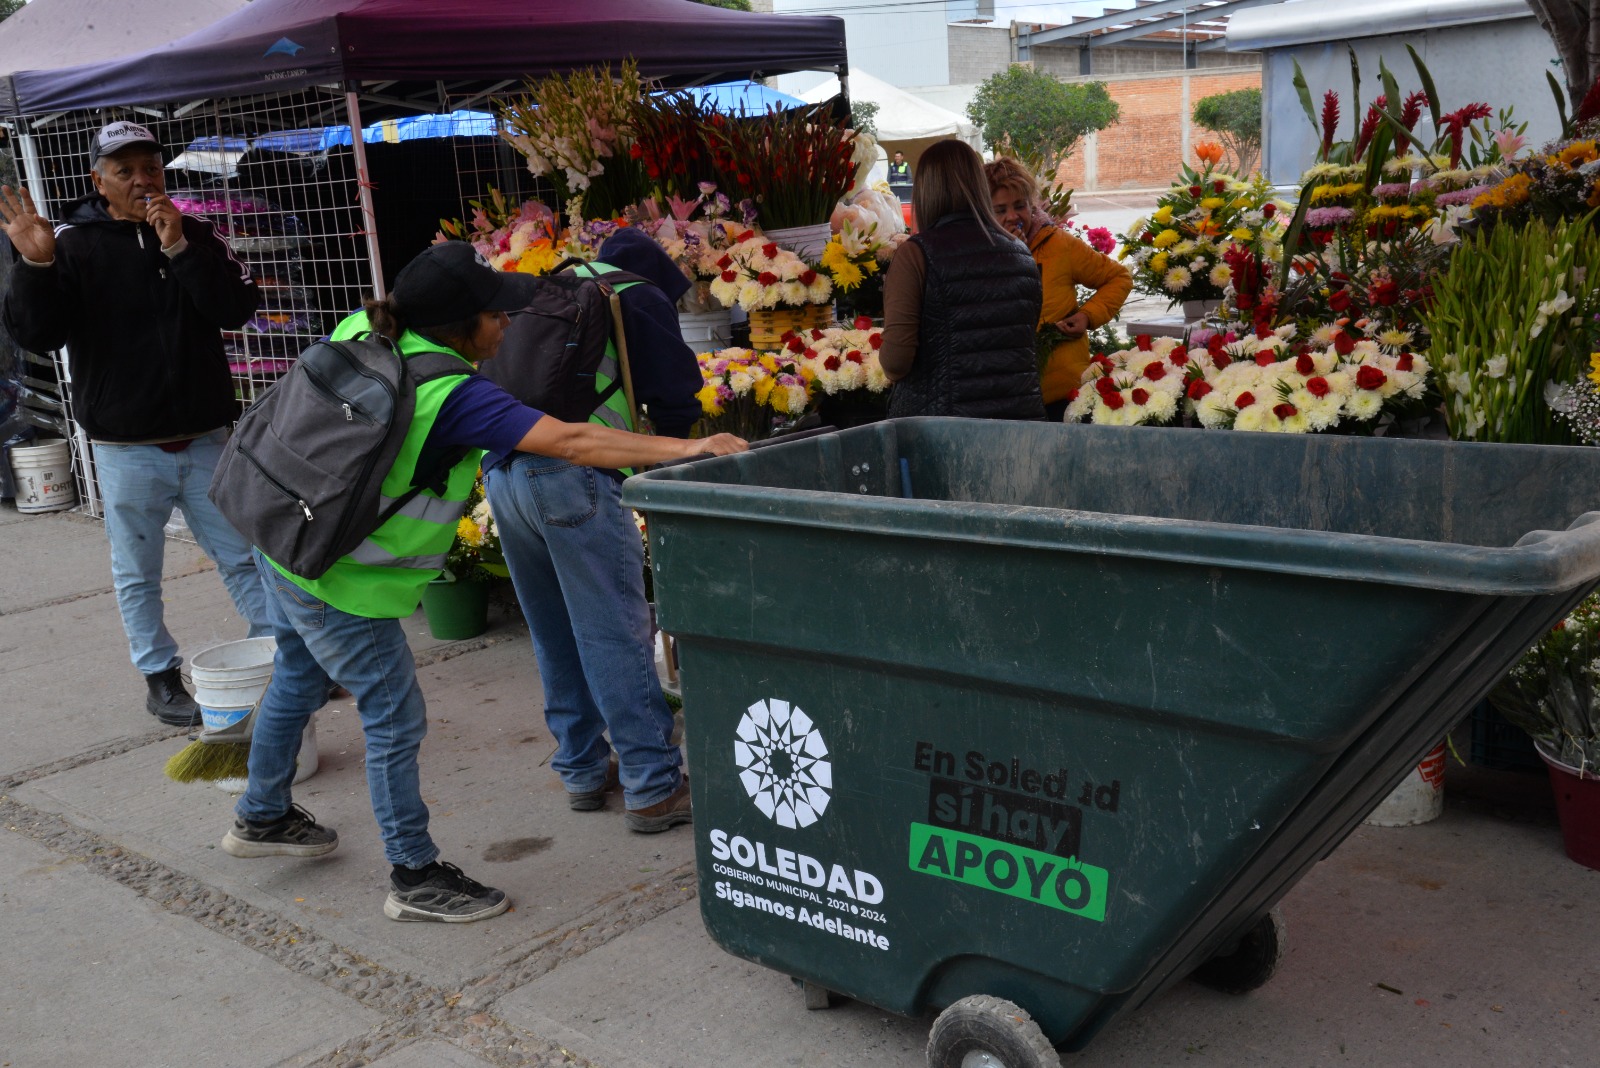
(295, 834)
(593, 800)
(444, 895)
(663, 814)
(168, 701)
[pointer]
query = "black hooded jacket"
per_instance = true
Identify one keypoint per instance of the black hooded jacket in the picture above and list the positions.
(665, 374)
(142, 330)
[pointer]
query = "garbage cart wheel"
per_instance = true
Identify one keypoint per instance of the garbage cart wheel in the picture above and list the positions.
(1251, 962)
(988, 1032)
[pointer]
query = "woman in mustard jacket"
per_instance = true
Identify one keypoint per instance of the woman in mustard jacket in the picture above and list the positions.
(1065, 263)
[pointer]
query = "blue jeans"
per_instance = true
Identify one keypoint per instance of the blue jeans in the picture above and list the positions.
(368, 657)
(140, 485)
(577, 562)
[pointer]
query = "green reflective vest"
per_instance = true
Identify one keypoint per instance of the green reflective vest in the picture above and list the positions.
(614, 412)
(383, 578)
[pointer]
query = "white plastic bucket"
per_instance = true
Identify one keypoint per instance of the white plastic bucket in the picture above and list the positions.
(43, 475)
(1419, 797)
(230, 678)
(706, 331)
(305, 764)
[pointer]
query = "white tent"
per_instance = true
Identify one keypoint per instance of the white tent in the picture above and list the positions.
(905, 122)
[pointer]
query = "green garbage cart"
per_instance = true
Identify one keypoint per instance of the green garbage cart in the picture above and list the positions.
(1028, 720)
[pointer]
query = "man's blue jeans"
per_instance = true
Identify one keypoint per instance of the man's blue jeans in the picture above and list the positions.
(368, 657)
(577, 562)
(140, 485)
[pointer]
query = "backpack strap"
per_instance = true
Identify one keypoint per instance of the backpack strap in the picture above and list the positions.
(624, 380)
(427, 367)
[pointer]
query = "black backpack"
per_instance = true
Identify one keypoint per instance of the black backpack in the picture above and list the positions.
(301, 476)
(553, 346)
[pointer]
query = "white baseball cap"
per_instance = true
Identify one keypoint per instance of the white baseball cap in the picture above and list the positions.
(117, 136)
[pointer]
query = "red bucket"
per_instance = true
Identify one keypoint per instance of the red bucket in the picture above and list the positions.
(1578, 808)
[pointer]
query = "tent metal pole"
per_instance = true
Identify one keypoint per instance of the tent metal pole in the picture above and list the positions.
(369, 215)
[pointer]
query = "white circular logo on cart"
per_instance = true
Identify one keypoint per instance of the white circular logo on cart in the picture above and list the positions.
(783, 763)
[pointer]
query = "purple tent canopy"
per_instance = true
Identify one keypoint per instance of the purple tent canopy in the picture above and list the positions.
(463, 45)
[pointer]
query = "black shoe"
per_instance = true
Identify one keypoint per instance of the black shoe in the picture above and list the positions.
(443, 895)
(294, 834)
(595, 800)
(169, 701)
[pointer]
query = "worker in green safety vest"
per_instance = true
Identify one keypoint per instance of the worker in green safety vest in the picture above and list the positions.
(577, 559)
(345, 625)
(900, 177)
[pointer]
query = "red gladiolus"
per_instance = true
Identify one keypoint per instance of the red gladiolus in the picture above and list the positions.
(635, 151)
(1179, 356)
(1343, 343)
(1303, 364)
(1266, 359)
(863, 323)
(1285, 410)
(1244, 300)
(1339, 300)
(1143, 341)
(808, 277)
(1370, 377)
(1112, 400)
(1244, 400)
(1198, 389)
(1405, 363)
(832, 363)
(1155, 371)
(1141, 396)
(767, 278)
(729, 276)
(1318, 386)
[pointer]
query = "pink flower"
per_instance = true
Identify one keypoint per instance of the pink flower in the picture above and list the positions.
(1509, 142)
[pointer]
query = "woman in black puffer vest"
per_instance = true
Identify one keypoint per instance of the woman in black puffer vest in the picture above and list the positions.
(961, 301)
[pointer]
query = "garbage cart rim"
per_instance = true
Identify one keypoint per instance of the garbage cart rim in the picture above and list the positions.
(1541, 562)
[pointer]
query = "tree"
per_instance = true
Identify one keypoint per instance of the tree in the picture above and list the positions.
(1236, 119)
(731, 5)
(1573, 27)
(1031, 113)
(10, 7)
(864, 117)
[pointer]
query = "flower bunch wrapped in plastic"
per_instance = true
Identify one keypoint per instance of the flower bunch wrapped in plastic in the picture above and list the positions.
(522, 237)
(475, 553)
(841, 359)
(851, 255)
(756, 275)
(748, 393)
(1179, 251)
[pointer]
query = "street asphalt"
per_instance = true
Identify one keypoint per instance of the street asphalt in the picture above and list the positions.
(131, 940)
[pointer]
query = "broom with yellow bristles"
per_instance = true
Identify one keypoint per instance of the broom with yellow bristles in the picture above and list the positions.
(211, 755)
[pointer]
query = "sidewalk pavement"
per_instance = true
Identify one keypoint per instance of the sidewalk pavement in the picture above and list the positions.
(132, 941)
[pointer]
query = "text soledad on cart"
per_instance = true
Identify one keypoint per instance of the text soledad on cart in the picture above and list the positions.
(800, 876)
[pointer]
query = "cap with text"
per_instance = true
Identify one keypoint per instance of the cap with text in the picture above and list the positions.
(116, 136)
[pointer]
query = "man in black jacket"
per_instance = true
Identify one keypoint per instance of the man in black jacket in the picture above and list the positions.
(138, 294)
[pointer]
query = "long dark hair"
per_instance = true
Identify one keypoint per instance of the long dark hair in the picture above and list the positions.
(950, 178)
(386, 318)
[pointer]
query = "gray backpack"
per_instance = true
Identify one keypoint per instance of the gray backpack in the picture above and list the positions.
(301, 477)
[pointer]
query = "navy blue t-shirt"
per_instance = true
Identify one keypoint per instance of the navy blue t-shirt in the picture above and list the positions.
(478, 415)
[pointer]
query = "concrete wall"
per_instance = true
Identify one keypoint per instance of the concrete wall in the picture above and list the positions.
(1500, 63)
(976, 52)
(1155, 134)
(1063, 60)
(901, 45)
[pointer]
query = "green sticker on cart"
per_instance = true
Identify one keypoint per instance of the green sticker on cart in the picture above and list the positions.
(1013, 870)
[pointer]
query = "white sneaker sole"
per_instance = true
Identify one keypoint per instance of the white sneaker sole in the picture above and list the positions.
(396, 909)
(240, 847)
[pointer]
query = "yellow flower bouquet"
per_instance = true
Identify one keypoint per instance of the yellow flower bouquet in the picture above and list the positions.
(749, 393)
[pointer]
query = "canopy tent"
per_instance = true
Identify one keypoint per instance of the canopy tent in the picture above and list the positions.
(54, 33)
(905, 123)
(425, 53)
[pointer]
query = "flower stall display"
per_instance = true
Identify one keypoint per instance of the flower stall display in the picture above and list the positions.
(855, 260)
(524, 237)
(751, 393)
(456, 603)
(1179, 252)
(1270, 381)
(793, 166)
(1578, 403)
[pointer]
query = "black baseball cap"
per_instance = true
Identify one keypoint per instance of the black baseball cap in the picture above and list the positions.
(116, 136)
(452, 281)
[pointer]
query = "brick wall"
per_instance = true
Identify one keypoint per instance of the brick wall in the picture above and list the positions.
(1155, 134)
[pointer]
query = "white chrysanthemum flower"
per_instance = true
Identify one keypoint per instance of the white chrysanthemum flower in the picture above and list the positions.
(1214, 411)
(1176, 279)
(1325, 361)
(1252, 418)
(1221, 275)
(1298, 423)
(1363, 405)
(741, 382)
(1364, 350)
(1183, 248)
(1104, 415)
(1162, 406)
(1324, 412)
(1079, 407)
(1323, 335)
(1394, 339)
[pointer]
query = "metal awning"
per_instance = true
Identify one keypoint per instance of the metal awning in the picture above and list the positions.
(1190, 25)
